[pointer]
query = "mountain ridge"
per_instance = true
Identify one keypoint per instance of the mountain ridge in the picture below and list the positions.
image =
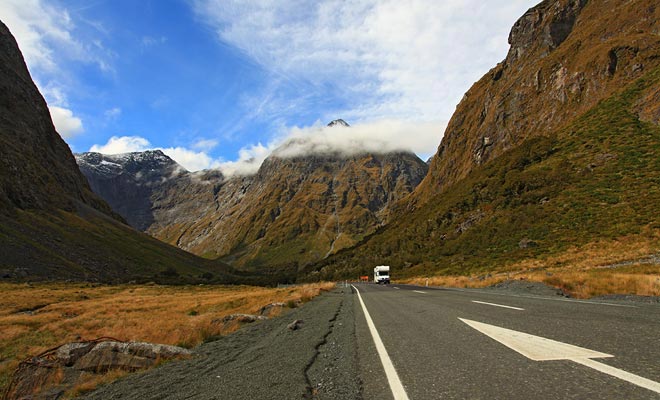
(551, 149)
(240, 218)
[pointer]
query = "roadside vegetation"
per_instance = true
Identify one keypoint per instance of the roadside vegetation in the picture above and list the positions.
(621, 266)
(37, 317)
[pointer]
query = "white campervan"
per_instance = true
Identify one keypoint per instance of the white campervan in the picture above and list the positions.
(382, 274)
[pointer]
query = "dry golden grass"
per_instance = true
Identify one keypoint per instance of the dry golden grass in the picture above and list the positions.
(582, 272)
(89, 382)
(34, 318)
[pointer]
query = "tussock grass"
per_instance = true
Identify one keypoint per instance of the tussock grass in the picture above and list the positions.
(177, 315)
(619, 266)
(89, 382)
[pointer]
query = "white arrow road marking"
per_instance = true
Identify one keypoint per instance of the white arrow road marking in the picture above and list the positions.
(419, 291)
(398, 391)
(498, 305)
(541, 349)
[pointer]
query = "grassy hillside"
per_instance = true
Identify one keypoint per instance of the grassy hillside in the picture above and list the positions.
(90, 246)
(596, 178)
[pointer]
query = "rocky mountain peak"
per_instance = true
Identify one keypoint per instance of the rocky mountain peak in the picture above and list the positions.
(544, 27)
(150, 163)
(338, 122)
(128, 181)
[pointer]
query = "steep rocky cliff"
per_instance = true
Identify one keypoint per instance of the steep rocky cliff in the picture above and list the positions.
(51, 224)
(37, 169)
(565, 57)
(554, 147)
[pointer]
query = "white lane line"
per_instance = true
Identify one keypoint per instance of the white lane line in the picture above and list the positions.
(498, 305)
(599, 303)
(398, 391)
(395, 287)
(621, 374)
(541, 349)
(419, 291)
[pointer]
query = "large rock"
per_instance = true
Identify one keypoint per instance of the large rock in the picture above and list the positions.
(48, 375)
(128, 356)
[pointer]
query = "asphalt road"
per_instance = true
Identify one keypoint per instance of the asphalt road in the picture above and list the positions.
(265, 360)
(438, 356)
(436, 342)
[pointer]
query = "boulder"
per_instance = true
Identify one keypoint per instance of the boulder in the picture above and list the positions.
(245, 318)
(129, 356)
(51, 373)
(295, 325)
(267, 310)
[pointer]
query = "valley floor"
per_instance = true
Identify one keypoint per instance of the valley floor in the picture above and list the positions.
(37, 317)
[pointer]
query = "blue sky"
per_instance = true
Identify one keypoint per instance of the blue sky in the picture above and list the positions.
(222, 83)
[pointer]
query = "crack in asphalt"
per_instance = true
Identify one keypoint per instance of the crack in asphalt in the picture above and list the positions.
(311, 390)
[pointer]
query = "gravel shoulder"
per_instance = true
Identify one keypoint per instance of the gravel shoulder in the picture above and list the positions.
(263, 361)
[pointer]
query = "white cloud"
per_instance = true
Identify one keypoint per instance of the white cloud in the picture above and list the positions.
(189, 159)
(205, 144)
(249, 160)
(379, 137)
(382, 136)
(385, 59)
(38, 28)
(149, 41)
(112, 113)
(44, 33)
(65, 123)
(122, 144)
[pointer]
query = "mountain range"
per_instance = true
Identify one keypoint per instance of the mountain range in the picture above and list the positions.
(295, 210)
(554, 148)
(52, 225)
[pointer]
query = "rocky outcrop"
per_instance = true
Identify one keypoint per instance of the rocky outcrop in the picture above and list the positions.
(565, 56)
(239, 318)
(50, 374)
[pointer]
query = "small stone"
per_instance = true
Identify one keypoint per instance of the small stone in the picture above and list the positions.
(295, 325)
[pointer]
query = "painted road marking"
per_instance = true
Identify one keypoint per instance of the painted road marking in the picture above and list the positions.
(600, 303)
(395, 287)
(541, 349)
(419, 291)
(498, 305)
(398, 391)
